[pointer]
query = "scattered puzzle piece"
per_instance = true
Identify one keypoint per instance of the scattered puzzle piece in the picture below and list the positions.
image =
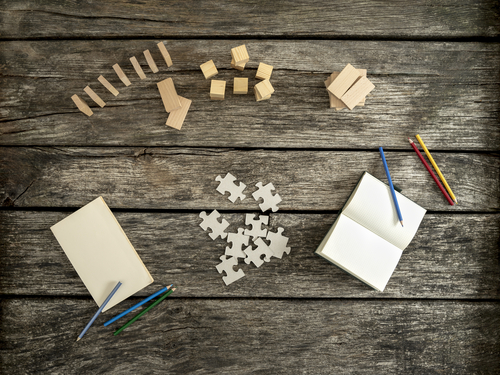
(255, 256)
(238, 240)
(227, 185)
(257, 230)
(227, 265)
(270, 201)
(211, 221)
(278, 243)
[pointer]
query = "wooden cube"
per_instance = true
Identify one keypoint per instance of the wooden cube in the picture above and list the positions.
(217, 89)
(240, 55)
(208, 69)
(264, 71)
(239, 67)
(258, 97)
(240, 85)
(264, 88)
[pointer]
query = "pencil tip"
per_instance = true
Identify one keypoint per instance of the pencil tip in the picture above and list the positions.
(456, 201)
(402, 223)
(409, 140)
(78, 339)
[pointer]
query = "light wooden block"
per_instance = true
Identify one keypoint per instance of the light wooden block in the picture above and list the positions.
(363, 73)
(108, 85)
(169, 95)
(96, 98)
(217, 89)
(240, 55)
(264, 88)
(264, 71)
(240, 85)
(208, 69)
(334, 101)
(258, 97)
(239, 67)
(151, 62)
(165, 54)
(121, 75)
(357, 92)
(137, 67)
(345, 79)
(82, 106)
(176, 118)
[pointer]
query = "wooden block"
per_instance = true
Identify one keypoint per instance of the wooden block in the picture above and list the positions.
(121, 75)
(240, 85)
(239, 67)
(264, 88)
(108, 85)
(334, 101)
(357, 92)
(151, 62)
(345, 79)
(165, 54)
(169, 95)
(264, 71)
(258, 97)
(217, 89)
(176, 118)
(96, 98)
(208, 69)
(363, 73)
(137, 67)
(82, 106)
(240, 55)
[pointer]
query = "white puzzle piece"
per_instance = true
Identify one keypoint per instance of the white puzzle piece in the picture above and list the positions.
(227, 185)
(257, 230)
(269, 201)
(255, 256)
(211, 221)
(226, 266)
(278, 243)
(238, 240)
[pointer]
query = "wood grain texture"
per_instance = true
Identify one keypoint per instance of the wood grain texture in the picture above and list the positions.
(452, 256)
(448, 94)
(321, 18)
(239, 336)
(180, 178)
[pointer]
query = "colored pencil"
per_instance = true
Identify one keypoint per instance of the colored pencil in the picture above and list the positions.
(393, 193)
(138, 305)
(144, 311)
(436, 168)
(431, 172)
(100, 309)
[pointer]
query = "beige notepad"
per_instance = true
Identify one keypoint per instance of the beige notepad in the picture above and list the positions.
(101, 253)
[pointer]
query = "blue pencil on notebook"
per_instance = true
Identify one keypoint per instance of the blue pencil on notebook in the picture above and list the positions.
(394, 198)
(137, 305)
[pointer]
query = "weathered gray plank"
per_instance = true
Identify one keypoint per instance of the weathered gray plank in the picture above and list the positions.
(447, 92)
(254, 336)
(452, 256)
(358, 18)
(159, 178)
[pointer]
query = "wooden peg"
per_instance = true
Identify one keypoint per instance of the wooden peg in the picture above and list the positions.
(82, 106)
(137, 67)
(240, 85)
(121, 75)
(217, 89)
(264, 71)
(240, 55)
(151, 62)
(165, 54)
(108, 85)
(176, 118)
(208, 69)
(96, 98)
(169, 95)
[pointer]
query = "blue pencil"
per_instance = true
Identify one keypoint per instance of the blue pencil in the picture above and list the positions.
(99, 311)
(136, 306)
(391, 186)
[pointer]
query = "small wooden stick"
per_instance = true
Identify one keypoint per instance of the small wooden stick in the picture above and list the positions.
(137, 67)
(108, 85)
(96, 98)
(150, 61)
(165, 54)
(82, 106)
(121, 75)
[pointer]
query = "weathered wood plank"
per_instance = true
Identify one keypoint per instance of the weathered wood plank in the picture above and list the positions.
(159, 178)
(452, 256)
(237, 336)
(447, 92)
(321, 18)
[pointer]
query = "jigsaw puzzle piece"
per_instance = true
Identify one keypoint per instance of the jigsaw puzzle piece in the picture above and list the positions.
(257, 230)
(255, 256)
(211, 221)
(278, 243)
(269, 201)
(227, 185)
(238, 240)
(226, 266)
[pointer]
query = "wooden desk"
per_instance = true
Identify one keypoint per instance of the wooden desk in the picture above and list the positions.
(436, 71)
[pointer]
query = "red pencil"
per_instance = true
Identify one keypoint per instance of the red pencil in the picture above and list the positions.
(431, 172)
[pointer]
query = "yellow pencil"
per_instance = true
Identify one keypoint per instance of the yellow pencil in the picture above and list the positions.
(436, 168)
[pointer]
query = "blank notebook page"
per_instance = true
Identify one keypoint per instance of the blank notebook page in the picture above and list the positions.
(362, 253)
(101, 253)
(372, 207)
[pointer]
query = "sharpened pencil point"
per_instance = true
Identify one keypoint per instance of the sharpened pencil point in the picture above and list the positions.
(402, 223)
(78, 339)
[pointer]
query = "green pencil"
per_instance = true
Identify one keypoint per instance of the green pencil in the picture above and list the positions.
(144, 311)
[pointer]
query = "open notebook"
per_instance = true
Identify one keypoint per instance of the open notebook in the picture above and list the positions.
(367, 239)
(101, 253)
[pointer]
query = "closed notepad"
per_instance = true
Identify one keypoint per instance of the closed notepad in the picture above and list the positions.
(101, 253)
